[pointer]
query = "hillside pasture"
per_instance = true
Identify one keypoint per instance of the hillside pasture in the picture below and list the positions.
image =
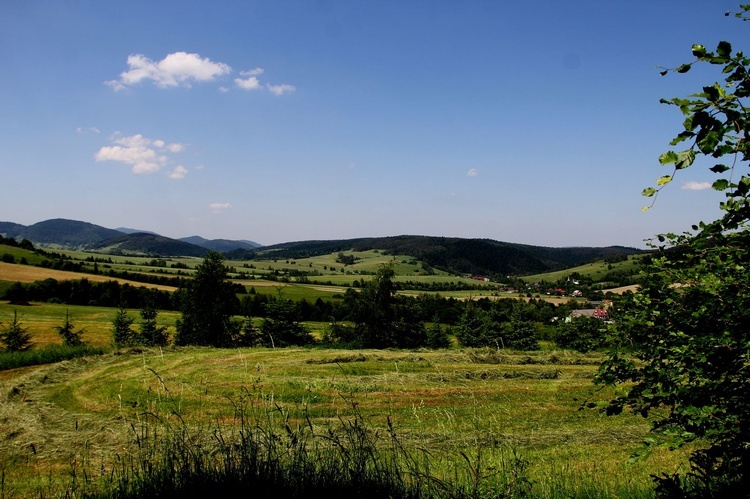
(595, 270)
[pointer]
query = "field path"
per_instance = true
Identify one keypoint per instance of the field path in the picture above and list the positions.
(27, 274)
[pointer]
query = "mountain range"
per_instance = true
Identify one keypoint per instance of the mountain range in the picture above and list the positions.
(472, 256)
(75, 234)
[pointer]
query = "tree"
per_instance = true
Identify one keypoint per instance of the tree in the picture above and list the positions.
(382, 320)
(70, 337)
(281, 327)
(683, 342)
(208, 303)
(152, 334)
(581, 333)
(122, 329)
(15, 337)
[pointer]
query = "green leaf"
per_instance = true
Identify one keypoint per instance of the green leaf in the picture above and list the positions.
(709, 142)
(668, 158)
(685, 159)
(724, 49)
(648, 192)
(684, 68)
(721, 184)
(699, 50)
(664, 180)
(719, 168)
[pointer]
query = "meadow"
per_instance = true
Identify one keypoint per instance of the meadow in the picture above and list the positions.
(490, 423)
(464, 409)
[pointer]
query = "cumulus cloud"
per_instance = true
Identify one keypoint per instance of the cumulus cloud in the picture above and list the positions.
(146, 156)
(696, 186)
(280, 89)
(176, 69)
(181, 69)
(219, 207)
(472, 172)
(248, 83)
(178, 173)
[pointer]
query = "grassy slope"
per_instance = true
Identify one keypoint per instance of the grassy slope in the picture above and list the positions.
(595, 270)
(445, 402)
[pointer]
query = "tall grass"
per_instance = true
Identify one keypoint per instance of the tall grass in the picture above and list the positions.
(46, 355)
(265, 452)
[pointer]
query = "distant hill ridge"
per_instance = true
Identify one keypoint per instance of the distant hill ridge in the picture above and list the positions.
(75, 234)
(469, 256)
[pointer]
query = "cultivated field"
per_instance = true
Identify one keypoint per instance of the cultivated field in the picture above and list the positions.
(27, 274)
(483, 410)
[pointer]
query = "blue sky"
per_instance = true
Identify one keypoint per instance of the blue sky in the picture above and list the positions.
(529, 122)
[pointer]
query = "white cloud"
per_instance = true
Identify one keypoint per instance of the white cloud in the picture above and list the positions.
(472, 172)
(696, 186)
(280, 89)
(250, 83)
(146, 156)
(178, 173)
(91, 129)
(176, 69)
(182, 69)
(219, 207)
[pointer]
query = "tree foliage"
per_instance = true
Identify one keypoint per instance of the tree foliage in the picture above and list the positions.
(152, 334)
(123, 333)
(581, 333)
(15, 337)
(67, 331)
(382, 320)
(281, 326)
(208, 303)
(497, 327)
(683, 342)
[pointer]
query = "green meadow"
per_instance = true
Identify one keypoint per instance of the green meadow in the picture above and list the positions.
(471, 413)
(490, 422)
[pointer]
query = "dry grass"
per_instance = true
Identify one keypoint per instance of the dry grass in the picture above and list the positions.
(28, 274)
(444, 401)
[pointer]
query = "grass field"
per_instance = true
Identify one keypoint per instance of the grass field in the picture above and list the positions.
(596, 270)
(40, 320)
(462, 407)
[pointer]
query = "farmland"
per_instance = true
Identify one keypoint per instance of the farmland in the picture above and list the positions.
(509, 413)
(482, 403)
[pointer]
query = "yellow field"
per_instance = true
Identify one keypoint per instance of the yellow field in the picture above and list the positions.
(27, 274)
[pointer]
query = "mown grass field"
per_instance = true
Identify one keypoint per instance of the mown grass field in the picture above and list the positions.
(457, 406)
(40, 320)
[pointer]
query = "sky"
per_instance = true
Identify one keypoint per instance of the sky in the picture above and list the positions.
(532, 122)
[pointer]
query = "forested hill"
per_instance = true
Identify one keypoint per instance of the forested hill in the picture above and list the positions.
(151, 244)
(472, 256)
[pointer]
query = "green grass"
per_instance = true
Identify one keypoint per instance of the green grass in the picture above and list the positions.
(19, 253)
(594, 270)
(41, 318)
(47, 355)
(456, 406)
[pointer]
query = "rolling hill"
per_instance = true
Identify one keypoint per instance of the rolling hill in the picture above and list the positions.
(75, 234)
(469, 256)
(456, 255)
(148, 244)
